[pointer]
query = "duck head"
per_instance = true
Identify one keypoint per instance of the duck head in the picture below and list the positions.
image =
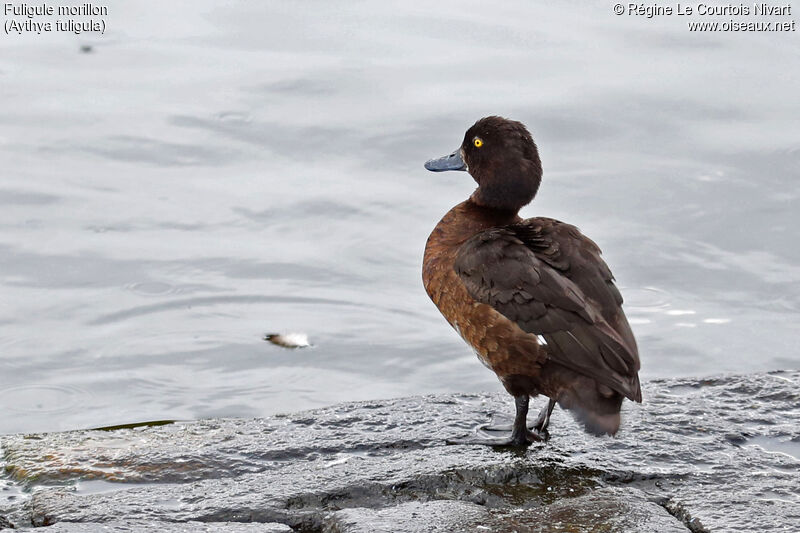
(502, 158)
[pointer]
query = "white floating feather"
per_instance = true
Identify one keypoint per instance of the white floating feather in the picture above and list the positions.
(288, 340)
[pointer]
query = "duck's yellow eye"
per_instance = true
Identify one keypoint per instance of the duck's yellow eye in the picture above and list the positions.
(478, 142)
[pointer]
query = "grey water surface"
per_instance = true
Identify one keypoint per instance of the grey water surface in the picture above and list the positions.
(210, 172)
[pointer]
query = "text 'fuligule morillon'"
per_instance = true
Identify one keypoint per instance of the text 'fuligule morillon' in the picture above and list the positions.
(39, 10)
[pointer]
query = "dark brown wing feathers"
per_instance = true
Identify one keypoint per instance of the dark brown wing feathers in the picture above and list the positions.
(550, 280)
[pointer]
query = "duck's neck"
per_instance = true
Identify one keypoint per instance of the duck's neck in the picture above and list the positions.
(504, 197)
(468, 218)
(510, 184)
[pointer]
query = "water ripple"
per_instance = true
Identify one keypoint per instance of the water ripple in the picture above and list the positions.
(151, 288)
(645, 299)
(42, 399)
(213, 300)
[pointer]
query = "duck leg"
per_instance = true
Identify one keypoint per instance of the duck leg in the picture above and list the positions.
(540, 424)
(520, 434)
(543, 420)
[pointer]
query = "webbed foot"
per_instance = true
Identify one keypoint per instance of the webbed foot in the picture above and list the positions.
(540, 424)
(521, 434)
(515, 440)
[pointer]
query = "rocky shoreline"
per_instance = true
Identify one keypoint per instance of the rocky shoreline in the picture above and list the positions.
(717, 454)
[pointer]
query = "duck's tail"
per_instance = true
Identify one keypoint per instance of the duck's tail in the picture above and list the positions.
(594, 405)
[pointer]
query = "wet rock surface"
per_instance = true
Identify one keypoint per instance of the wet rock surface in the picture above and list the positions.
(137, 526)
(710, 455)
(604, 509)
